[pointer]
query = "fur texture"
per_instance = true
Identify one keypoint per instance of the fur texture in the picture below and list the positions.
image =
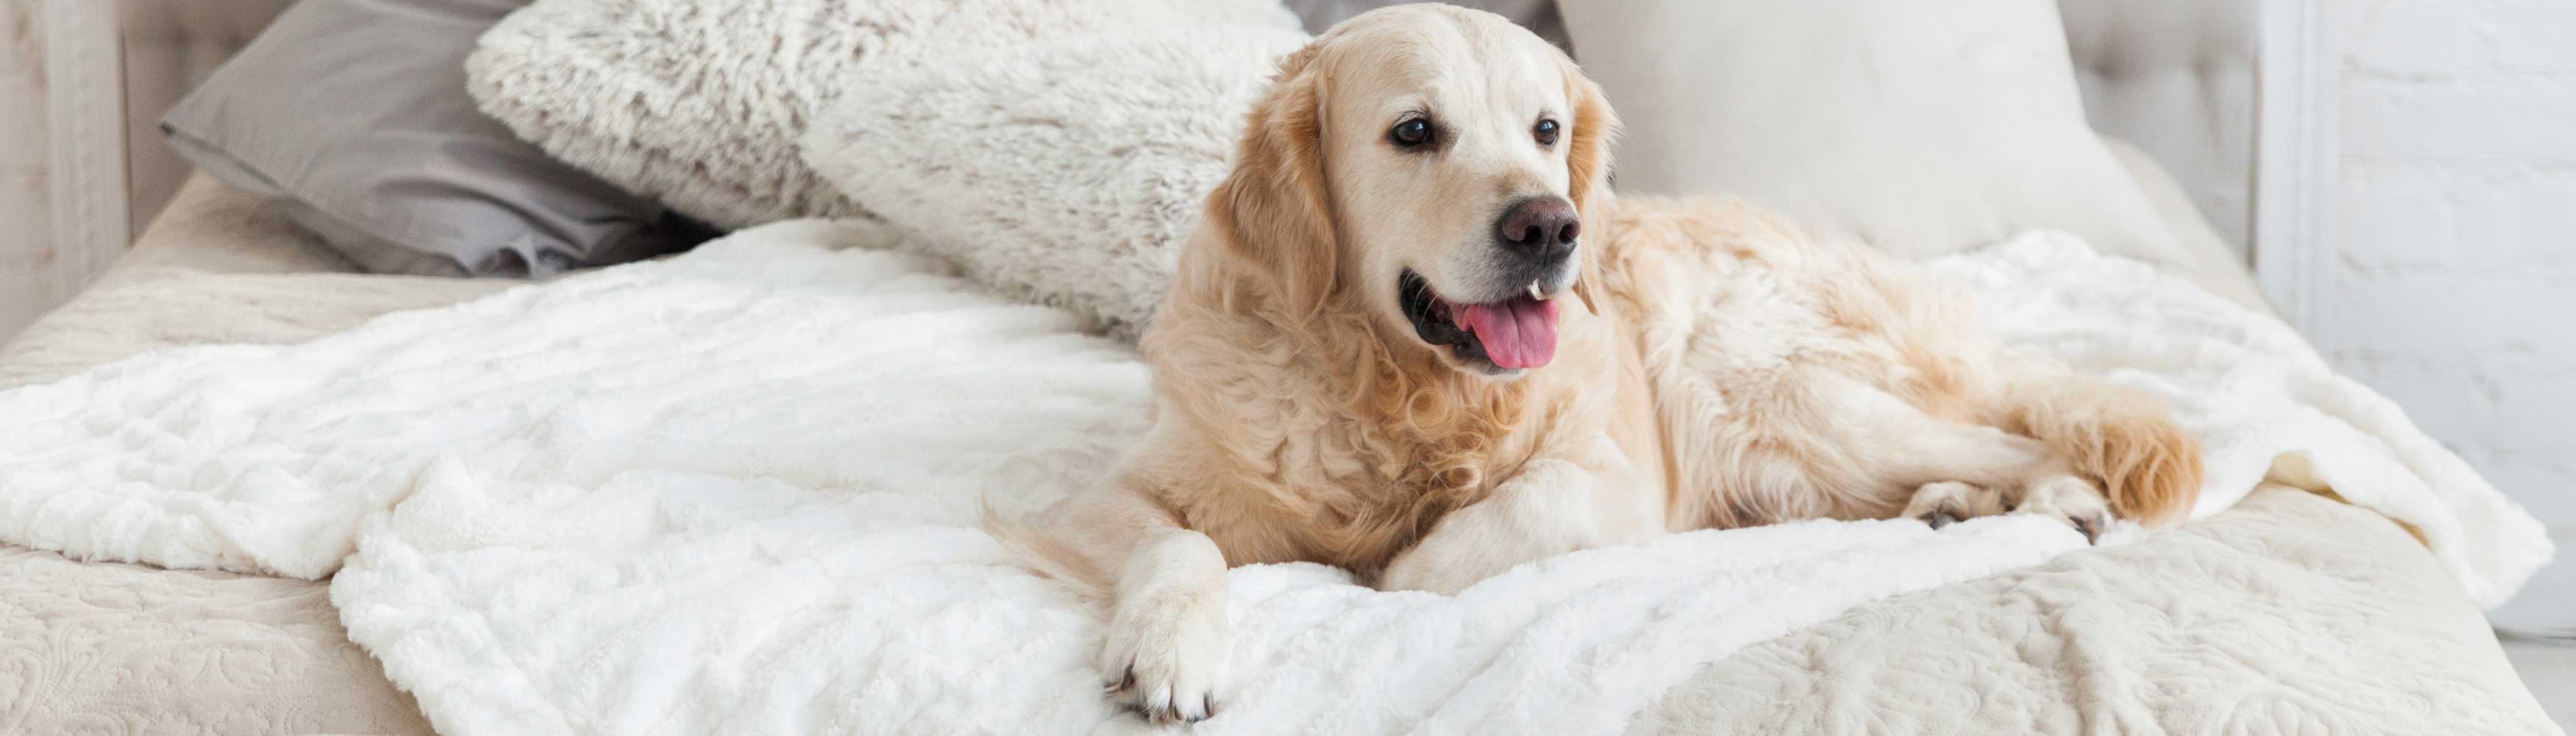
(701, 103)
(1724, 368)
(1805, 379)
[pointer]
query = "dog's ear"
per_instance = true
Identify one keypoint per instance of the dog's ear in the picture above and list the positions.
(1273, 210)
(1595, 127)
(1587, 163)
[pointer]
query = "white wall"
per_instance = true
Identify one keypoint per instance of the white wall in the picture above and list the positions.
(2454, 291)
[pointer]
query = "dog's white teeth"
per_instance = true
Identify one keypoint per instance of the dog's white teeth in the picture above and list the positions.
(1535, 293)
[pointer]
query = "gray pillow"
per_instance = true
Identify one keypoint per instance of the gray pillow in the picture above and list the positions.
(1537, 15)
(354, 112)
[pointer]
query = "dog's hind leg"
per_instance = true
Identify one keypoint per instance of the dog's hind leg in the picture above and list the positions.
(2066, 444)
(2125, 441)
(1882, 456)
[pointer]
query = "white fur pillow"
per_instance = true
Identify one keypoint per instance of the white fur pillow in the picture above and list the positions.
(1068, 172)
(699, 103)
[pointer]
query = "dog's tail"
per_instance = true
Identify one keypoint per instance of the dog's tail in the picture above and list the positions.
(2124, 439)
(1046, 554)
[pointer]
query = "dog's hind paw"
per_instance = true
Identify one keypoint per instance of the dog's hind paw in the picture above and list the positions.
(1946, 502)
(2072, 500)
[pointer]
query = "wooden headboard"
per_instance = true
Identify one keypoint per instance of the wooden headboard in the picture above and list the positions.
(112, 69)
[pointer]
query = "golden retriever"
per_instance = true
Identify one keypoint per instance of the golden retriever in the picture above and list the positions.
(1415, 337)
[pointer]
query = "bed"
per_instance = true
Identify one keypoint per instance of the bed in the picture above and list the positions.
(2140, 638)
(140, 649)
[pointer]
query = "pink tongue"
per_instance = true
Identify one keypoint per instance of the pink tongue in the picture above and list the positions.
(1519, 333)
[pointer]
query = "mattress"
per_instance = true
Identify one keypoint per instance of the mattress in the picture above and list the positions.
(2289, 611)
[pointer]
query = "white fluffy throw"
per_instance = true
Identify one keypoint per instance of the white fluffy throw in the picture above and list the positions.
(733, 492)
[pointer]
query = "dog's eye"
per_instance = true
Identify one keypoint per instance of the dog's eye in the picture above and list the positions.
(1412, 133)
(1545, 132)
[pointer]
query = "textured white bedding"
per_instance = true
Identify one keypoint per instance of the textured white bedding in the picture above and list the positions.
(423, 557)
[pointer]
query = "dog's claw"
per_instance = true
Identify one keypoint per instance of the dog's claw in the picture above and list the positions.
(1164, 713)
(1940, 519)
(1171, 714)
(1165, 673)
(1121, 685)
(2090, 526)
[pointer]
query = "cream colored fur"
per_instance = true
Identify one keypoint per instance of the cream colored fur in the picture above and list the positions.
(1720, 368)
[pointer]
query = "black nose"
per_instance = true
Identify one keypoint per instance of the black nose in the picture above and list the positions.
(1539, 227)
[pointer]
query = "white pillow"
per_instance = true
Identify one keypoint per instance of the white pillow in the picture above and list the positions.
(1920, 128)
(699, 103)
(1068, 172)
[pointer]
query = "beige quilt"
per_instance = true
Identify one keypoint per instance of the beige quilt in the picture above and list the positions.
(111, 648)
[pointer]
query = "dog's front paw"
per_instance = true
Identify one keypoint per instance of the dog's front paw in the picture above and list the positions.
(1164, 658)
(1428, 570)
(1166, 653)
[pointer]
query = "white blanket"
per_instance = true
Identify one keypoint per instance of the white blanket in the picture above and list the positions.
(733, 492)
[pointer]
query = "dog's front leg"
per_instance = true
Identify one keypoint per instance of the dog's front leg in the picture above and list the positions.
(1587, 498)
(1163, 654)
(1167, 639)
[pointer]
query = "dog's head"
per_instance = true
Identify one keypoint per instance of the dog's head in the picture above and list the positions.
(1430, 166)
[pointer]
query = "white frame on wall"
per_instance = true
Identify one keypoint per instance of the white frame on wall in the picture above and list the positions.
(2297, 169)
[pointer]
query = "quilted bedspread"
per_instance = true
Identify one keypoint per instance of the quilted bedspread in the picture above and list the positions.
(2291, 614)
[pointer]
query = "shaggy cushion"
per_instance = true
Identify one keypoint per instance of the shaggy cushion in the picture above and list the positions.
(1919, 128)
(1067, 172)
(700, 102)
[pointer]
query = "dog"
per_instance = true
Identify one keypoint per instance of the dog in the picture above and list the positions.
(1416, 337)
